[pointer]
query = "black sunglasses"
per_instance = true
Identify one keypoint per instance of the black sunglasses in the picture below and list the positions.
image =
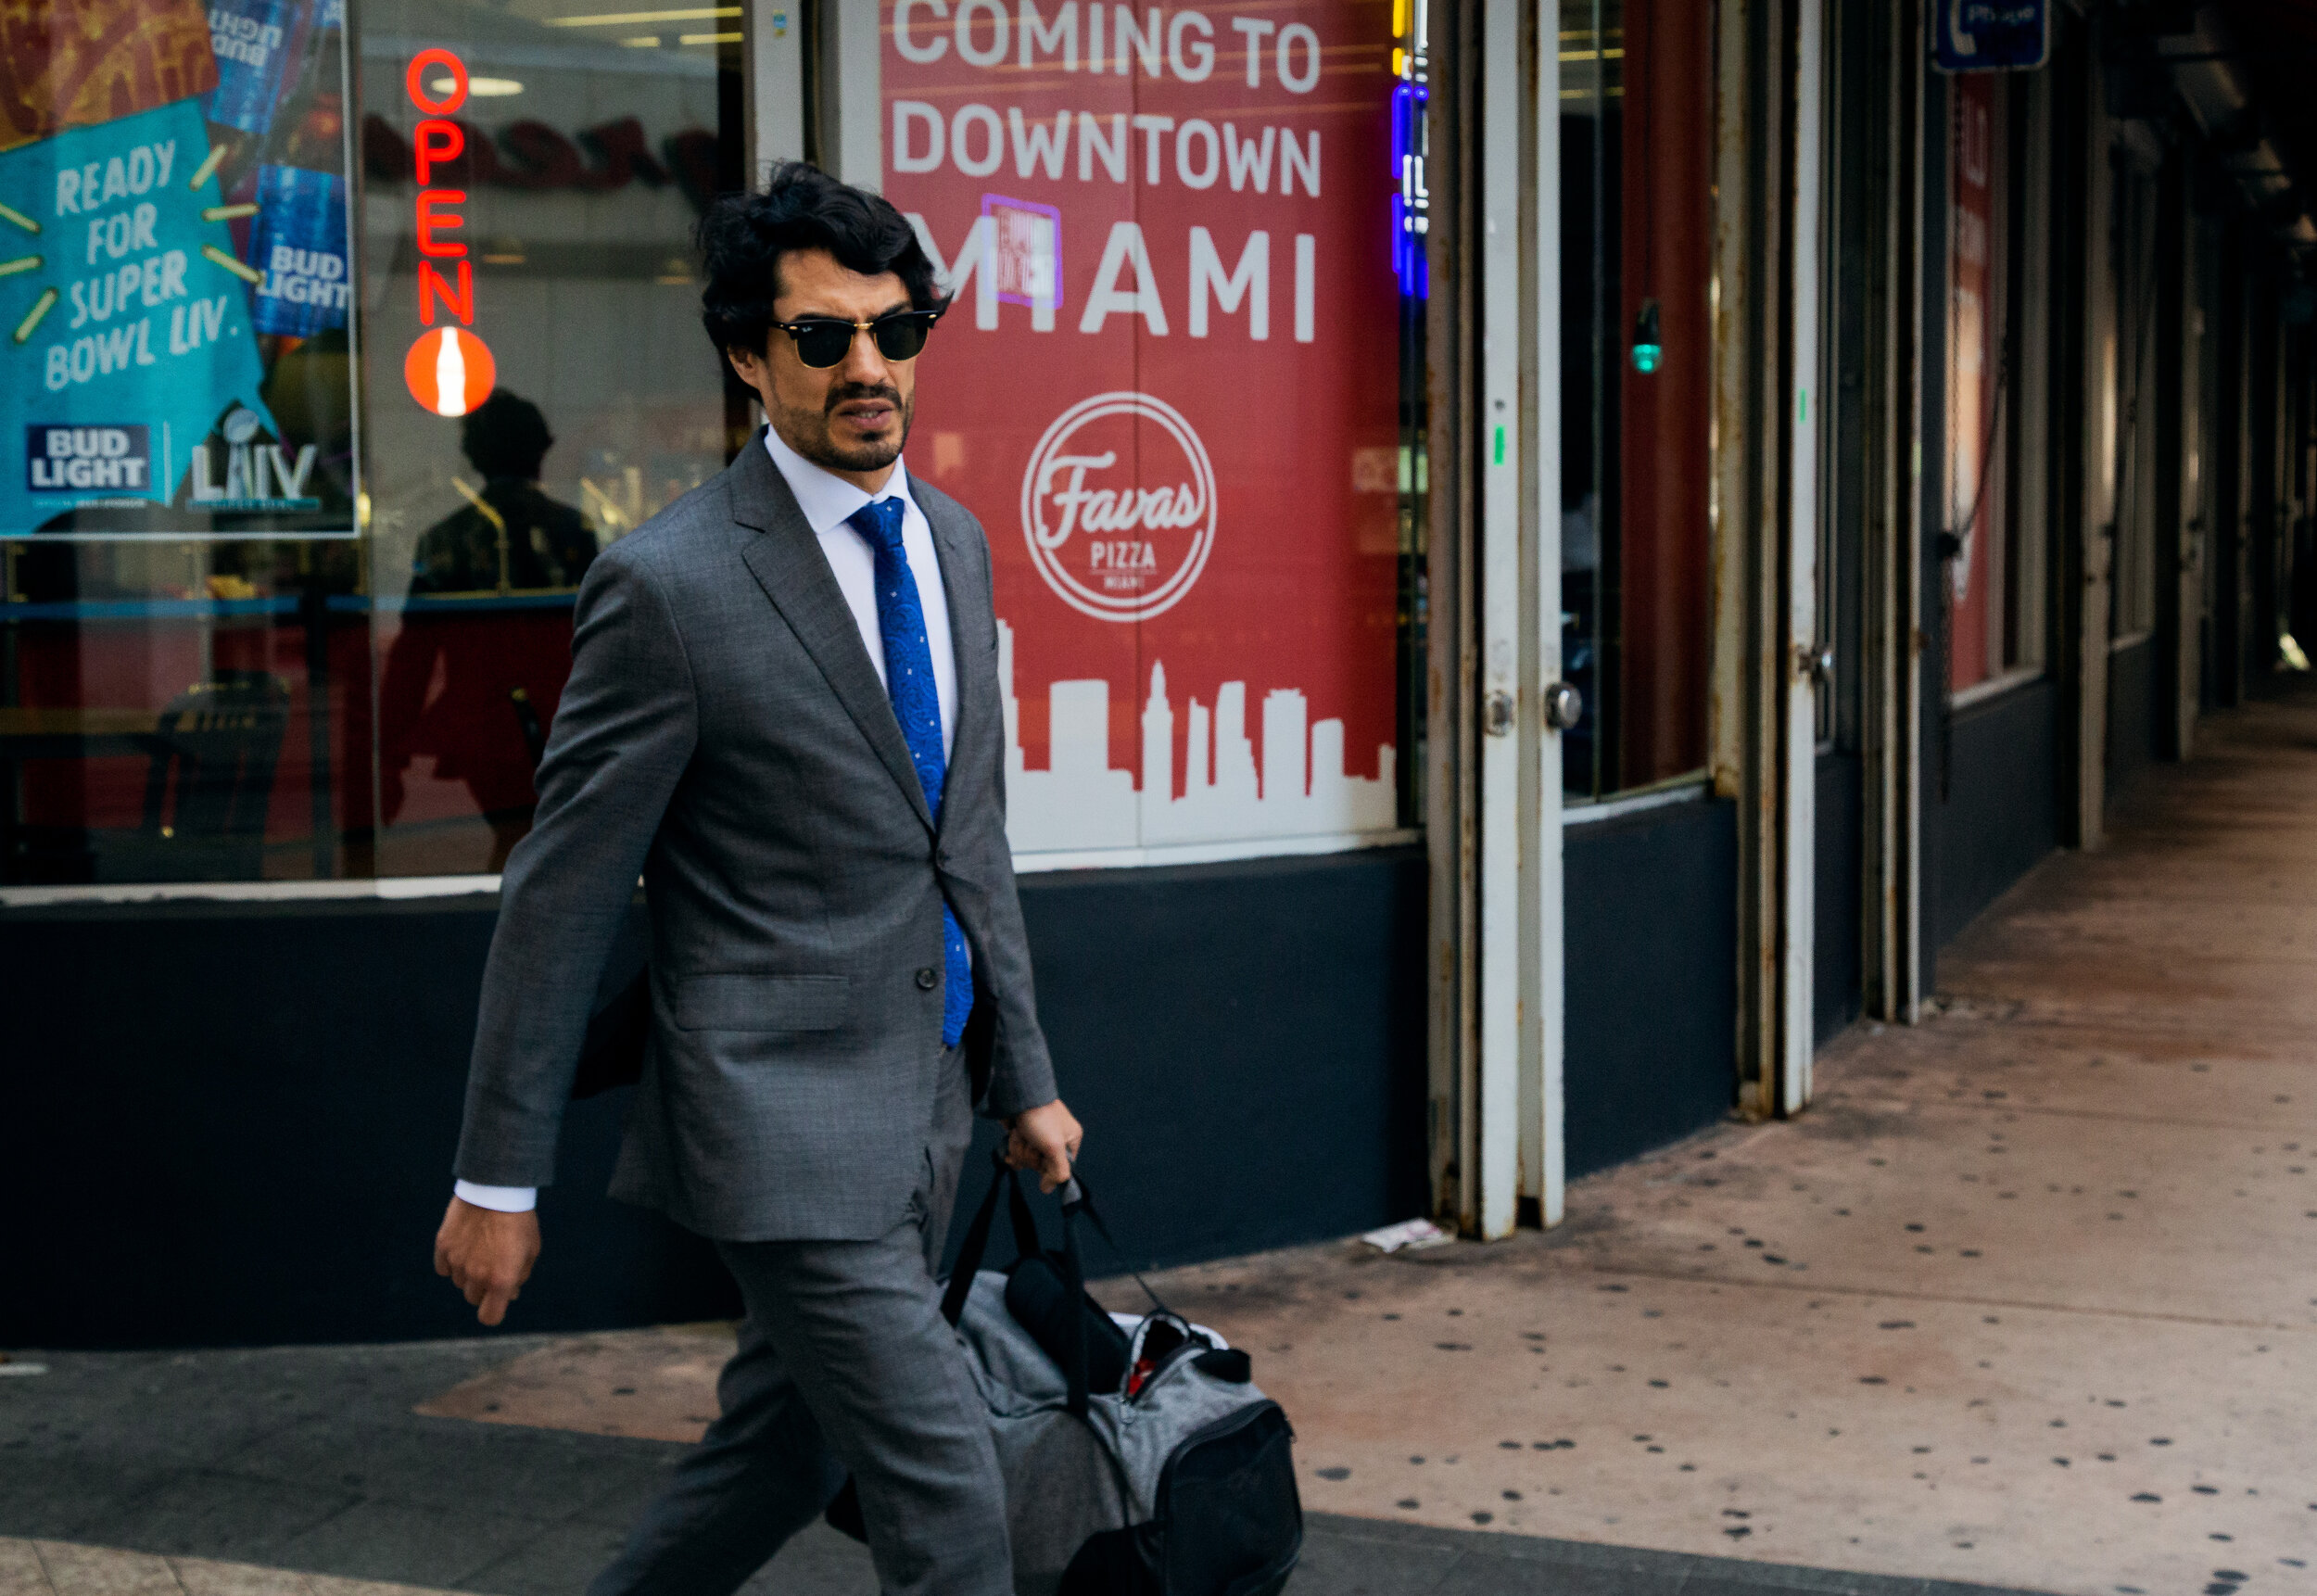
(823, 341)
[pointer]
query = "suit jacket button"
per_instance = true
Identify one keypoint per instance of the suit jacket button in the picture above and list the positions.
(928, 980)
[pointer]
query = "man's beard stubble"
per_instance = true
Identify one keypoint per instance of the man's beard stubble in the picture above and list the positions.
(807, 431)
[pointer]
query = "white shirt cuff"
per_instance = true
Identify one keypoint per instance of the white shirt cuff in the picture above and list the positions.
(505, 1199)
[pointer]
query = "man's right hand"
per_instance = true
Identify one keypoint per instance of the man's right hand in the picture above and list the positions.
(488, 1255)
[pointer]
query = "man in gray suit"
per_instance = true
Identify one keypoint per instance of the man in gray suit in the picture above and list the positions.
(783, 712)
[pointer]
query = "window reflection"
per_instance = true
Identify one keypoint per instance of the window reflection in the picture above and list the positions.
(215, 558)
(464, 673)
(588, 143)
(184, 653)
(1636, 235)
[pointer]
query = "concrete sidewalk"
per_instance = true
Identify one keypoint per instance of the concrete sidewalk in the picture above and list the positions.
(2025, 1301)
(2027, 1297)
(311, 1472)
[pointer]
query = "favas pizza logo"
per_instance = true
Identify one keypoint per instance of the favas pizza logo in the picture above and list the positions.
(1117, 506)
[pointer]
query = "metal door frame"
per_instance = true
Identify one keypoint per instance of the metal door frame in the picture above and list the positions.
(1493, 786)
(1769, 158)
(1804, 681)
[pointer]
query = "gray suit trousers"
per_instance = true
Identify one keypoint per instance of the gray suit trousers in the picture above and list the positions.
(845, 1364)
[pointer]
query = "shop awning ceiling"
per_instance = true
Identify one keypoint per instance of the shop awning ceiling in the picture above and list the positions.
(2242, 69)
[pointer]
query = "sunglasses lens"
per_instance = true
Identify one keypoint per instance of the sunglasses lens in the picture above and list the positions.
(822, 344)
(902, 337)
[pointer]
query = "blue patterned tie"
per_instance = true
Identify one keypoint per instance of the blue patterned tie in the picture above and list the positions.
(918, 705)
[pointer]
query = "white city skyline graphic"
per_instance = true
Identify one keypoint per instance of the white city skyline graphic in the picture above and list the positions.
(1079, 802)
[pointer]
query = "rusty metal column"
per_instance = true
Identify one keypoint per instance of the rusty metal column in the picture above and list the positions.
(1493, 793)
(1750, 508)
(1891, 645)
(1805, 410)
(1542, 995)
(1451, 661)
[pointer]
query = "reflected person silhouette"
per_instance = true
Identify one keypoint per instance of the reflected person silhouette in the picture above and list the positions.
(476, 628)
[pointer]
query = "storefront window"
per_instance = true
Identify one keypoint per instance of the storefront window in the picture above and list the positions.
(534, 171)
(183, 665)
(245, 637)
(2136, 246)
(1979, 377)
(1635, 240)
(1171, 386)
(347, 333)
(1993, 590)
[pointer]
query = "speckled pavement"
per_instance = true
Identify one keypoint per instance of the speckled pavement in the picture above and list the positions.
(60, 1568)
(2025, 1301)
(2026, 1297)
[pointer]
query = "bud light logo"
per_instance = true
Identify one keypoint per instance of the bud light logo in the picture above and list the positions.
(87, 459)
(249, 38)
(298, 241)
(1119, 506)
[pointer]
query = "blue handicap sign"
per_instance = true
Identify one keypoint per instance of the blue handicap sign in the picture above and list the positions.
(1990, 36)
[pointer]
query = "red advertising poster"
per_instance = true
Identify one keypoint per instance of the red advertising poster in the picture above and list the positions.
(1168, 386)
(1974, 343)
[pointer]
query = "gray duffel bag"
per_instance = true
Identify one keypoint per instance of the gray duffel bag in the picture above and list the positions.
(1178, 1481)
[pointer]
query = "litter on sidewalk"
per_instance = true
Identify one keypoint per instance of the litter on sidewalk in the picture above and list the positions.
(1408, 1236)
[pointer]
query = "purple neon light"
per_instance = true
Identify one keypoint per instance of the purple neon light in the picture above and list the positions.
(994, 203)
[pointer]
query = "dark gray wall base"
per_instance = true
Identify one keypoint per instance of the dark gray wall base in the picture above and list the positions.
(1838, 911)
(238, 1122)
(2000, 816)
(1243, 1043)
(1652, 978)
(2130, 713)
(233, 1124)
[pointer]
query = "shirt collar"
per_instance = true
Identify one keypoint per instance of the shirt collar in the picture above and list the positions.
(825, 498)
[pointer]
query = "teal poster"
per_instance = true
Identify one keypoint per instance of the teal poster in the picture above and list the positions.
(176, 352)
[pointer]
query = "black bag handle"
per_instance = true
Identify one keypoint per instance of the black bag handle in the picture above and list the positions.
(1006, 1181)
(977, 1242)
(1077, 1203)
(1027, 1242)
(1073, 1293)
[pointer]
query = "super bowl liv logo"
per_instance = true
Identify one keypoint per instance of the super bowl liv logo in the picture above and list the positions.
(1117, 506)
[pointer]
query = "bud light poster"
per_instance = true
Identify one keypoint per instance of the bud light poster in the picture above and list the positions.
(174, 275)
(1168, 386)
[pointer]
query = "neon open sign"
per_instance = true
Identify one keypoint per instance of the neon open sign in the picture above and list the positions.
(450, 370)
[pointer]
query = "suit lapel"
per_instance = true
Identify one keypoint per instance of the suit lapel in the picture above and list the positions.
(787, 561)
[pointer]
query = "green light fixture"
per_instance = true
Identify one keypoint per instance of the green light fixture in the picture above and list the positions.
(1648, 350)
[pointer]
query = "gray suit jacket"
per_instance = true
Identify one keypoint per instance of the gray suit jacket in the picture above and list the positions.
(725, 734)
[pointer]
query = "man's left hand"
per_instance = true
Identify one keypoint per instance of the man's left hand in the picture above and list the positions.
(1045, 1139)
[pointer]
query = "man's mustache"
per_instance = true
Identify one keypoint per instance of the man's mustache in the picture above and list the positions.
(846, 393)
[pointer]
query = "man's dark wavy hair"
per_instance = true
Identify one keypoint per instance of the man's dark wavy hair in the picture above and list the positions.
(742, 235)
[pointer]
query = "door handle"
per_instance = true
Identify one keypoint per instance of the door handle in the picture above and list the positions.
(1564, 706)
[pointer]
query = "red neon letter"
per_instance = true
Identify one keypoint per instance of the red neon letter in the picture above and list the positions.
(416, 88)
(428, 220)
(437, 141)
(432, 286)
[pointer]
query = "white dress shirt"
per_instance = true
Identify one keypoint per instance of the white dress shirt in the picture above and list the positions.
(826, 499)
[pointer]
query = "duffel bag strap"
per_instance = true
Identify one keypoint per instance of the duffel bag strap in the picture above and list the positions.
(1027, 1243)
(1074, 1293)
(977, 1242)
(1004, 1180)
